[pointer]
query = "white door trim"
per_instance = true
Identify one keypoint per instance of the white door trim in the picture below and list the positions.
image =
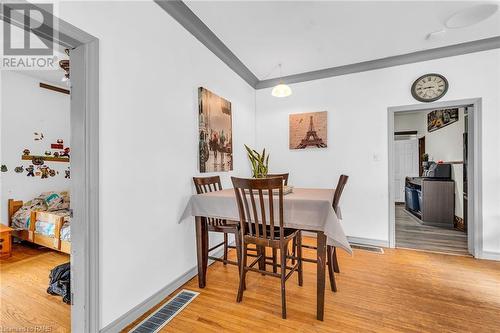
(475, 216)
(84, 56)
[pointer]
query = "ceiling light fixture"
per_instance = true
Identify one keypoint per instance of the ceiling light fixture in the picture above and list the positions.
(64, 64)
(471, 15)
(281, 90)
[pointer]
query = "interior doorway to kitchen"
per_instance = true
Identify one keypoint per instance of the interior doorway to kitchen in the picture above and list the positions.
(432, 165)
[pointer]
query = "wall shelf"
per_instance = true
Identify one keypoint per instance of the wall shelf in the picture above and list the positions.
(45, 158)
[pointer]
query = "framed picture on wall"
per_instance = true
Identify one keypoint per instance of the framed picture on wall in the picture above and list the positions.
(440, 118)
(215, 132)
(308, 130)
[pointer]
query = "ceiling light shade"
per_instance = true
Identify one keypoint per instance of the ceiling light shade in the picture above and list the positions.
(471, 15)
(281, 90)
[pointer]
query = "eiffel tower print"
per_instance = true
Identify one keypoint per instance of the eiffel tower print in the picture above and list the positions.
(312, 139)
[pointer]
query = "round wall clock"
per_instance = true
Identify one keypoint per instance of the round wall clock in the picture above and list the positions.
(429, 87)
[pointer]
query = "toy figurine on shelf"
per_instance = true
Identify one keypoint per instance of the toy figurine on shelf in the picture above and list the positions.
(4, 168)
(48, 153)
(30, 171)
(67, 174)
(64, 153)
(60, 141)
(56, 154)
(26, 152)
(19, 169)
(45, 171)
(37, 161)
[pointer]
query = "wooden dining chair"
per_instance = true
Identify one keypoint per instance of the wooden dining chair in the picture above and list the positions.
(262, 224)
(212, 184)
(331, 251)
(282, 175)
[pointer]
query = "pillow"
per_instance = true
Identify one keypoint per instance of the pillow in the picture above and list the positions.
(55, 200)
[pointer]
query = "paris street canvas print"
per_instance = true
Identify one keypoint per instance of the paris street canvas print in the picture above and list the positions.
(308, 130)
(215, 132)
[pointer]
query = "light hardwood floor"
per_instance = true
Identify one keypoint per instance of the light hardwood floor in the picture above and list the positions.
(411, 234)
(24, 302)
(399, 291)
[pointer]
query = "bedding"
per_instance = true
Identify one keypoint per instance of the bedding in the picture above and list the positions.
(54, 202)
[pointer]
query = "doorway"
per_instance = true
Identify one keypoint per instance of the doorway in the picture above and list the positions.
(84, 106)
(409, 214)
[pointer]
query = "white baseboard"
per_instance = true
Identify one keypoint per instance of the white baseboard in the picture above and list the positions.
(368, 241)
(490, 255)
(133, 314)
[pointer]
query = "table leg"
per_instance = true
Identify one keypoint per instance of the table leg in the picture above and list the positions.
(202, 249)
(320, 284)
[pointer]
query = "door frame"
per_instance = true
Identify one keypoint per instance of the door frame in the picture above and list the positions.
(84, 56)
(474, 181)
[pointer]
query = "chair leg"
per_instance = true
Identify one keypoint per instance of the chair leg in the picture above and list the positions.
(294, 247)
(275, 259)
(331, 275)
(241, 287)
(225, 248)
(335, 261)
(283, 275)
(299, 258)
(239, 257)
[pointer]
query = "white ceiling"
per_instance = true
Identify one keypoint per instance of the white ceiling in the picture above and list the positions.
(311, 35)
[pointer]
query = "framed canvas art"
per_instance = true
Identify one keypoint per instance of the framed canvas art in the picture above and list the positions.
(308, 130)
(214, 132)
(440, 118)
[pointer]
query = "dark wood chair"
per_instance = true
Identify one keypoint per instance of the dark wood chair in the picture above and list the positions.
(263, 226)
(282, 175)
(331, 251)
(212, 184)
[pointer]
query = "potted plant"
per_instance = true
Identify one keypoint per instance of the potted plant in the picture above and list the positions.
(260, 162)
(425, 160)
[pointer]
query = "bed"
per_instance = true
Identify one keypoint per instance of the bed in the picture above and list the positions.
(52, 216)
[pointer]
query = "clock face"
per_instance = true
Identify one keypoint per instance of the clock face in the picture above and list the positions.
(429, 87)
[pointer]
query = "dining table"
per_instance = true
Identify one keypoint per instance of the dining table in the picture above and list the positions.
(307, 209)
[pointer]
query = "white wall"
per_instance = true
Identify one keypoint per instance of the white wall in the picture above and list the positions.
(358, 136)
(150, 69)
(445, 144)
(411, 121)
(26, 108)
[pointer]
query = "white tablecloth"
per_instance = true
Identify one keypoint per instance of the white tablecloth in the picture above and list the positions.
(306, 209)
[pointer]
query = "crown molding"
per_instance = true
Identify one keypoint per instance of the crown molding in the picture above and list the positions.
(409, 58)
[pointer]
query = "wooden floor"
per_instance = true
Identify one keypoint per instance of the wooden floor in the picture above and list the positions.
(411, 234)
(25, 305)
(399, 291)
